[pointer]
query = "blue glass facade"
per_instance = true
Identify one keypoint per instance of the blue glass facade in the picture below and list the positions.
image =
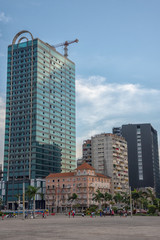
(40, 114)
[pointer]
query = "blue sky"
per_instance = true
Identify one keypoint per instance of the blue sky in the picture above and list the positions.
(117, 57)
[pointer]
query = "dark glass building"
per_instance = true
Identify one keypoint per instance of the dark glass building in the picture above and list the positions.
(143, 158)
(40, 113)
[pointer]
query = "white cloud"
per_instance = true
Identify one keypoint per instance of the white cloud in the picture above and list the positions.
(102, 105)
(4, 18)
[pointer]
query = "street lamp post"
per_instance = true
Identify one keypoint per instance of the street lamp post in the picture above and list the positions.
(23, 200)
(58, 197)
(130, 200)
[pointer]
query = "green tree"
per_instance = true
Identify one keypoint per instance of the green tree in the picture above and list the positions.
(31, 193)
(118, 198)
(73, 198)
(17, 196)
(42, 199)
(150, 195)
(107, 197)
(144, 202)
(98, 197)
(156, 202)
(135, 197)
(1, 202)
(125, 198)
(151, 209)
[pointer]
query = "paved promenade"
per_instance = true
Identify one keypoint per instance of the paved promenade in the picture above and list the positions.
(62, 227)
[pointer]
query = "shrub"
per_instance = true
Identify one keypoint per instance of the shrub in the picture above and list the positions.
(151, 209)
(93, 208)
(134, 211)
(115, 209)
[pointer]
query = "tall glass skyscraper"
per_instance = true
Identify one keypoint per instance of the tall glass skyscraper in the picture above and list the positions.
(40, 113)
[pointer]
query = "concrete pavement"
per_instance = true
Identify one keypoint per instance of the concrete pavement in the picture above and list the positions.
(62, 227)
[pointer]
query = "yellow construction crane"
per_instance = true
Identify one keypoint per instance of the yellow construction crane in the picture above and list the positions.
(65, 44)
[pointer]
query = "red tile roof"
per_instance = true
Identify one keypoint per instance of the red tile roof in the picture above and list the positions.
(67, 174)
(85, 166)
(101, 175)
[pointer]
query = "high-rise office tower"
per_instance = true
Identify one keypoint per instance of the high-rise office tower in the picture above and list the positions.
(40, 112)
(143, 159)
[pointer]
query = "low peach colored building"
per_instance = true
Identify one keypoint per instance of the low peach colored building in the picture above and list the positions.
(84, 181)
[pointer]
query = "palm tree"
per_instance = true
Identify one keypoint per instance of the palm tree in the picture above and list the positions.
(156, 202)
(42, 199)
(117, 197)
(73, 198)
(144, 202)
(17, 196)
(31, 193)
(150, 195)
(107, 197)
(125, 198)
(135, 197)
(98, 197)
(1, 202)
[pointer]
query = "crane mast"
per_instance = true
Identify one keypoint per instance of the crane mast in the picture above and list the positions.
(65, 44)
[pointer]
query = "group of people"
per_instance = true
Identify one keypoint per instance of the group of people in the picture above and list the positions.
(10, 215)
(101, 213)
(71, 213)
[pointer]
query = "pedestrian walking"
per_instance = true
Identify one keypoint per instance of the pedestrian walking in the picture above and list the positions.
(69, 214)
(112, 214)
(73, 214)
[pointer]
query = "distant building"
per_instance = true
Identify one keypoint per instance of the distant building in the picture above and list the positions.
(84, 181)
(87, 151)
(108, 155)
(117, 131)
(143, 158)
(79, 162)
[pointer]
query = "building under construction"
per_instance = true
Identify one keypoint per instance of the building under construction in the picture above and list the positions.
(40, 113)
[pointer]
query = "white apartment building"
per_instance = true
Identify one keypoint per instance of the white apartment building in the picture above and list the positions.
(109, 157)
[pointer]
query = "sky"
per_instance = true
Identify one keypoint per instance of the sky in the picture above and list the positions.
(117, 58)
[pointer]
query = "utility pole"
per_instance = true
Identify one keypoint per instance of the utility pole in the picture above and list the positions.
(19, 202)
(23, 200)
(130, 200)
